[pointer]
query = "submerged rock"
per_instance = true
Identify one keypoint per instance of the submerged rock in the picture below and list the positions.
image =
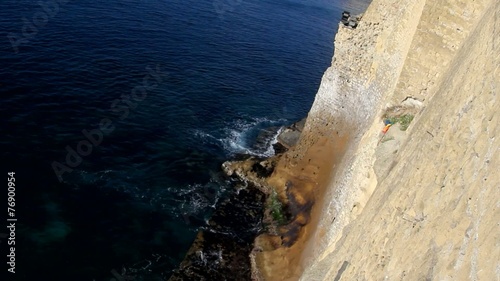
(222, 249)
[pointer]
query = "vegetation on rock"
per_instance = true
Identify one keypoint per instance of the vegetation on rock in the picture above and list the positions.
(276, 208)
(403, 120)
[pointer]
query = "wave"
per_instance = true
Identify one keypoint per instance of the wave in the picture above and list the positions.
(254, 137)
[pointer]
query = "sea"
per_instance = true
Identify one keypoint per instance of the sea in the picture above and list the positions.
(117, 116)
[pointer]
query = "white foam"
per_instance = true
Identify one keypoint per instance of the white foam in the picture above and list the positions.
(199, 200)
(238, 137)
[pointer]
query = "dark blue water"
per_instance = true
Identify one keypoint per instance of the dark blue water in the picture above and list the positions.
(168, 90)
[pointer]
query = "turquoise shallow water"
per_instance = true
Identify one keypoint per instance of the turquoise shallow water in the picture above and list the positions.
(222, 71)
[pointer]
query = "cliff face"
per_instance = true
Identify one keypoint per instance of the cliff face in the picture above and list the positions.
(424, 203)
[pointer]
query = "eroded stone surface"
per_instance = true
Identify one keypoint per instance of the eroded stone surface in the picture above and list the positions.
(434, 213)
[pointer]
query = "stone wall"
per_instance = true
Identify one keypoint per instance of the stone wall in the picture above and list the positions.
(354, 89)
(435, 214)
(443, 28)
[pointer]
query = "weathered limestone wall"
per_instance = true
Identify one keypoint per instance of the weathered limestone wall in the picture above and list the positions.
(364, 66)
(443, 27)
(364, 71)
(435, 215)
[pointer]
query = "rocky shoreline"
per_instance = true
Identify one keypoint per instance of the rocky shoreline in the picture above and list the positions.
(221, 249)
(225, 247)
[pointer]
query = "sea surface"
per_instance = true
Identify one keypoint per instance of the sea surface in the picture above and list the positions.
(116, 117)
